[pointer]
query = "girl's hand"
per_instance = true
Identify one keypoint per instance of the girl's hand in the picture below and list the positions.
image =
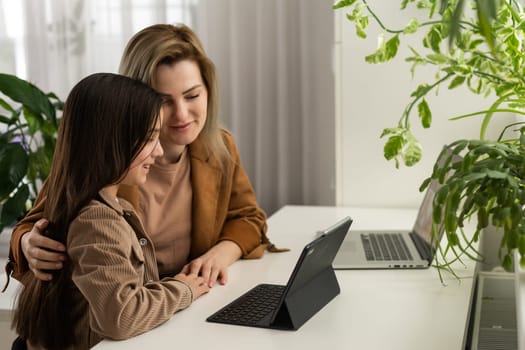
(196, 284)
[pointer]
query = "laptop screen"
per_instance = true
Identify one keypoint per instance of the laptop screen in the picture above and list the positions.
(423, 225)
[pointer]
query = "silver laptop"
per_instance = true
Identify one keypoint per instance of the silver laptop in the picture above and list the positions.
(392, 249)
(413, 249)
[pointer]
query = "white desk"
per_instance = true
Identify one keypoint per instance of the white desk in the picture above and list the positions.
(402, 309)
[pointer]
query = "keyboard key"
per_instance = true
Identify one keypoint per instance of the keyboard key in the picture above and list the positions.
(251, 307)
(385, 246)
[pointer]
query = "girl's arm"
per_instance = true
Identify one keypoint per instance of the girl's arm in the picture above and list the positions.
(113, 273)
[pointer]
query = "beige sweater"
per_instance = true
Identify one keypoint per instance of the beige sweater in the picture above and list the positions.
(165, 210)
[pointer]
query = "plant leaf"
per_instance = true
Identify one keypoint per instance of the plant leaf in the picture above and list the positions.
(386, 50)
(433, 39)
(438, 58)
(34, 121)
(425, 115)
(343, 3)
(485, 14)
(13, 167)
(421, 90)
(454, 23)
(15, 206)
(27, 94)
(7, 106)
(457, 81)
(412, 153)
(391, 47)
(393, 146)
(411, 27)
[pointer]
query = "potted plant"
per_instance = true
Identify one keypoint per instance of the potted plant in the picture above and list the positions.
(28, 128)
(477, 44)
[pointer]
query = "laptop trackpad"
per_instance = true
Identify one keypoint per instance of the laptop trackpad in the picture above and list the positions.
(349, 251)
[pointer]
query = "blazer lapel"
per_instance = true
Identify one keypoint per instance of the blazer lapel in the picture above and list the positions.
(206, 184)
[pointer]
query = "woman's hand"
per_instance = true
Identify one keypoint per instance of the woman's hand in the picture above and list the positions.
(213, 265)
(42, 253)
(196, 283)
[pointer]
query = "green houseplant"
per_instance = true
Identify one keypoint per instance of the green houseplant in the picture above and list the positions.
(477, 44)
(28, 126)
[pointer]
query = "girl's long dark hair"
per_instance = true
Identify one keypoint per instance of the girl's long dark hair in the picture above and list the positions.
(107, 120)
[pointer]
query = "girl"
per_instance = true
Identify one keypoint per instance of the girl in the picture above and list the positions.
(109, 286)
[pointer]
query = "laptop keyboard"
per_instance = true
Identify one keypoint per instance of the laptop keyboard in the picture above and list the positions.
(252, 306)
(385, 246)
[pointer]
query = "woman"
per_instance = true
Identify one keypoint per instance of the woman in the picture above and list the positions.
(109, 286)
(198, 204)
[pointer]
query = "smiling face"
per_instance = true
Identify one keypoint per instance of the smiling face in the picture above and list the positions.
(139, 168)
(185, 117)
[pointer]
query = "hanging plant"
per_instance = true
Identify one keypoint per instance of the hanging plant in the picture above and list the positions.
(478, 44)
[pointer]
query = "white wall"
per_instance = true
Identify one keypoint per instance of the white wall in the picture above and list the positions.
(370, 98)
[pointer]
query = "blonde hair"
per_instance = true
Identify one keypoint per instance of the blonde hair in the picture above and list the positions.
(168, 44)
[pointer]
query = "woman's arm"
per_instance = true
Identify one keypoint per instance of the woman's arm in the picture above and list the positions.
(228, 223)
(29, 249)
